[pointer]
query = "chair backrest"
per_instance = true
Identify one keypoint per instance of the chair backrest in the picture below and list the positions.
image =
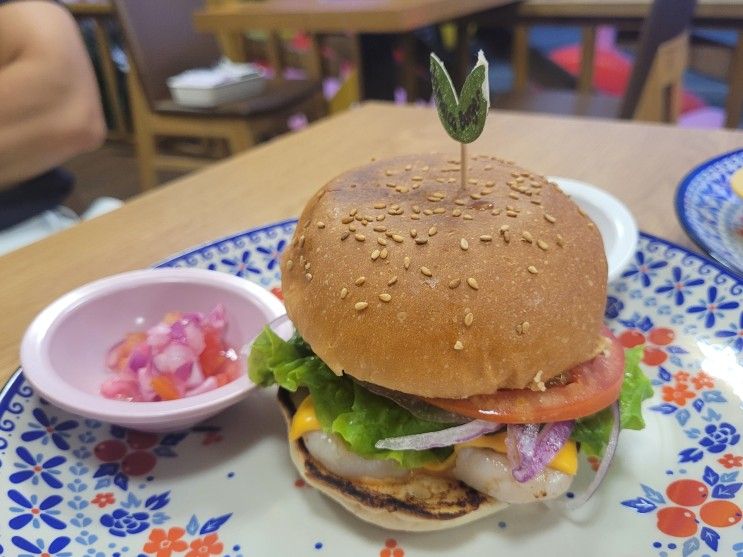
(162, 41)
(654, 88)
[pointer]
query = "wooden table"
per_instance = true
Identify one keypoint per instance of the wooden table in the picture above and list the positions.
(98, 13)
(639, 163)
(359, 17)
(589, 13)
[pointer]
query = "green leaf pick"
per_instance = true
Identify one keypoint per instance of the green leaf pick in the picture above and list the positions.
(463, 116)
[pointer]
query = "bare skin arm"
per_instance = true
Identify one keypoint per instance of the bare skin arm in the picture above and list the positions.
(50, 109)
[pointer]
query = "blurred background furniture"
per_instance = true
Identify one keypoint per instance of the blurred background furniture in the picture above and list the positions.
(654, 89)
(622, 14)
(161, 43)
(379, 25)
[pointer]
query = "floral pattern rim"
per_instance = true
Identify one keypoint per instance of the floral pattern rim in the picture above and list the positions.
(709, 211)
(80, 487)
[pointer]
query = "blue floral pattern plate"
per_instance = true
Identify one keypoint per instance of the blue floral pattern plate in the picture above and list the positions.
(80, 488)
(711, 213)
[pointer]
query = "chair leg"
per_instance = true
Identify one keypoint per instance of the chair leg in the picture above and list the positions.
(146, 152)
(520, 57)
(240, 137)
(734, 103)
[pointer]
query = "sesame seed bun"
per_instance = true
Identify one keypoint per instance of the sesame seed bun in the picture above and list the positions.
(400, 277)
(423, 502)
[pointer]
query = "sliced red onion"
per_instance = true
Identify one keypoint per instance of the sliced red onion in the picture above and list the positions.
(606, 459)
(535, 448)
(435, 439)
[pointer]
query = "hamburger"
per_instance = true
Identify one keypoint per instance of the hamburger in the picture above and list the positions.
(450, 357)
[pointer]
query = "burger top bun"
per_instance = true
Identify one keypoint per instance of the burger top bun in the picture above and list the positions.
(399, 276)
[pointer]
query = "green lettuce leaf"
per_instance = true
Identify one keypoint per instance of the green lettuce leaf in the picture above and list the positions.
(593, 432)
(343, 407)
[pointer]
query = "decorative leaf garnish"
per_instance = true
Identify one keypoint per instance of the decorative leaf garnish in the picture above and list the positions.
(463, 116)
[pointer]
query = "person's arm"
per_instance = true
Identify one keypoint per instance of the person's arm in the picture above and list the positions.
(50, 109)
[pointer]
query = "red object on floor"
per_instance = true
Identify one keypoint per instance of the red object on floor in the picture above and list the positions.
(611, 72)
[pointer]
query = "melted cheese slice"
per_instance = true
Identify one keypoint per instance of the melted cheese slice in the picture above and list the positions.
(565, 461)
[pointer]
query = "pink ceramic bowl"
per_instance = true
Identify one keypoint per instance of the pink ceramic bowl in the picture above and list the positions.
(63, 352)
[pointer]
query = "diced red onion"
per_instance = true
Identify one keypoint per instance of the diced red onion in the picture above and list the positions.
(208, 385)
(435, 439)
(606, 459)
(118, 388)
(140, 357)
(534, 448)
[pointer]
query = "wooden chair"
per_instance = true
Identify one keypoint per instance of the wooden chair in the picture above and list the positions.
(654, 89)
(162, 42)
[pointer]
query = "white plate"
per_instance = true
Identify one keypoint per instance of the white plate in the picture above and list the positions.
(613, 218)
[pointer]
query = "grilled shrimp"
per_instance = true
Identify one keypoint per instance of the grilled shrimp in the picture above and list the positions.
(490, 473)
(333, 454)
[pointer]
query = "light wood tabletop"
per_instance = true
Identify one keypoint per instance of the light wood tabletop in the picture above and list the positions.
(639, 163)
(706, 10)
(330, 16)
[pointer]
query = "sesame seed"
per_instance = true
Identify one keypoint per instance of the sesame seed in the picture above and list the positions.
(344, 292)
(360, 306)
(468, 319)
(375, 255)
(454, 283)
(460, 202)
(413, 232)
(301, 241)
(408, 167)
(397, 238)
(433, 198)
(432, 231)
(536, 201)
(389, 172)
(452, 180)
(507, 236)
(513, 195)
(458, 345)
(486, 238)
(440, 180)
(417, 178)
(391, 184)
(560, 242)
(512, 214)
(426, 271)
(379, 228)
(467, 217)
(381, 241)
(381, 217)
(424, 168)
(416, 209)
(496, 212)
(421, 241)
(488, 167)
(532, 269)
(352, 227)
(543, 245)
(489, 183)
(415, 217)
(402, 189)
(301, 259)
(527, 237)
(346, 220)
(360, 237)
(307, 266)
(392, 281)
(439, 211)
(380, 205)
(464, 244)
(308, 276)
(549, 218)
(289, 265)
(456, 212)
(406, 263)
(428, 212)
(472, 181)
(353, 212)
(359, 217)
(320, 224)
(515, 174)
(385, 297)
(383, 254)
(525, 327)
(582, 212)
(475, 196)
(473, 283)
(359, 281)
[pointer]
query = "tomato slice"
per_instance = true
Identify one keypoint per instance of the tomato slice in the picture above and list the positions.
(593, 386)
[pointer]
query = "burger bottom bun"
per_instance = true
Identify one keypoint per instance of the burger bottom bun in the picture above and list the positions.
(422, 503)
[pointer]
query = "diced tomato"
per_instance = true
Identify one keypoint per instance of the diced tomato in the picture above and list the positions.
(593, 386)
(165, 387)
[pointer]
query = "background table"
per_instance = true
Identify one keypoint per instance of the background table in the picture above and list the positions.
(359, 17)
(639, 163)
